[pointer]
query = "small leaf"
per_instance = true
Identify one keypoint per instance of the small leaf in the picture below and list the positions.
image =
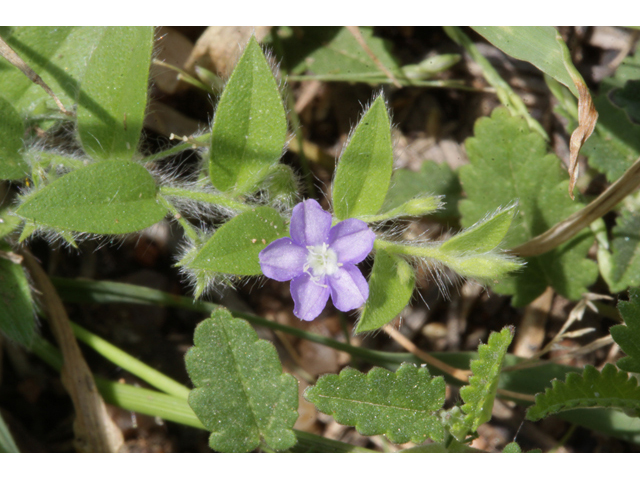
(12, 166)
(608, 389)
(241, 394)
(365, 166)
(512, 447)
(509, 162)
(628, 98)
(8, 223)
(113, 93)
(628, 335)
(403, 405)
(432, 179)
(17, 318)
(104, 198)
(235, 246)
(479, 395)
(249, 127)
(483, 236)
(390, 287)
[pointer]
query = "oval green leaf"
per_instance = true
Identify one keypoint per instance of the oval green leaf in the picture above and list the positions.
(250, 126)
(365, 167)
(390, 288)
(113, 93)
(103, 198)
(235, 246)
(12, 166)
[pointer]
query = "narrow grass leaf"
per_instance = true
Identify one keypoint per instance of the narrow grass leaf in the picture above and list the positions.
(610, 388)
(403, 405)
(113, 93)
(104, 198)
(17, 318)
(241, 395)
(365, 166)
(249, 127)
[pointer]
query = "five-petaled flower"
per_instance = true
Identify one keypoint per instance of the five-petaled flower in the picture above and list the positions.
(320, 260)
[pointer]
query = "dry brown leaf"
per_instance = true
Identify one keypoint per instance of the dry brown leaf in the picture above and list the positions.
(587, 118)
(94, 429)
(218, 48)
(12, 57)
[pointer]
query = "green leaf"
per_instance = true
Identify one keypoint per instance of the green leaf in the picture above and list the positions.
(235, 246)
(241, 394)
(509, 162)
(390, 287)
(113, 93)
(615, 144)
(364, 170)
(403, 405)
(536, 45)
(512, 447)
(628, 335)
(12, 166)
(432, 179)
(479, 395)
(610, 388)
(17, 318)
(484, 235)
(249, 127)
(57, 54)
(7, 445)
(335, 51)
(628, 98)
(104, 198)
(625, 257)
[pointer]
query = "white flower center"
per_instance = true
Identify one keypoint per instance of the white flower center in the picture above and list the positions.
(322, 260)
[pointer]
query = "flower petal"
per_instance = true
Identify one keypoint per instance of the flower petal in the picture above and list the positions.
(352, 240)
(283, 259)
(309, 298)
(310, 224)
(349, 289)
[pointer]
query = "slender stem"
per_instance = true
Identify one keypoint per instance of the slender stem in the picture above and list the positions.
(569, 227)
(212, 198)
(186, 226)
(130, 364)
(202, 139)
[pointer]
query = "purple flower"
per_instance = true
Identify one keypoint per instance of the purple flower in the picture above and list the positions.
(320, 260)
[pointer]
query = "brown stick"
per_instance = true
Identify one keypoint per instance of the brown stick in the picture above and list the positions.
(94, 429)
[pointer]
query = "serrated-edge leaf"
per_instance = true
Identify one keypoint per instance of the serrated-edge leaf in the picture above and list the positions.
(365, 166)
(249, 127)
(17, 318)
(12, 166)
(480, 394)
(113, 93)
(241, 394)
(625, 257)
(107, 198)
(628, 335)
(610, 388)
(403, 405)
(509, 162)
(390, 288)
(235, 246)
